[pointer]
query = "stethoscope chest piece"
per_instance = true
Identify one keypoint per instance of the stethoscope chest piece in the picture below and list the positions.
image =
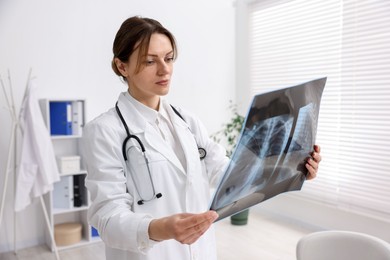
(202, 153)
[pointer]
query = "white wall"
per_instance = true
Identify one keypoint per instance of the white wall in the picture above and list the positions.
(68, 46)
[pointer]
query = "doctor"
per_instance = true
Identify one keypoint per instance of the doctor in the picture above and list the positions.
(151, 165)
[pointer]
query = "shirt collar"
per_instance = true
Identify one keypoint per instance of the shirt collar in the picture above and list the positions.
(149, 114)
(163, 111)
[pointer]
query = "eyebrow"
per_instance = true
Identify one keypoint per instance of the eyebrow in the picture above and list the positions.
(155, 55)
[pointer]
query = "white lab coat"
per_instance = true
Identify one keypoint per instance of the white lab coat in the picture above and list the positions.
(120, 221)
(37, 167)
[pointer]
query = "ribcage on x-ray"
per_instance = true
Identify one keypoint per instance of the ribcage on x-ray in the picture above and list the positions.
(269, 137)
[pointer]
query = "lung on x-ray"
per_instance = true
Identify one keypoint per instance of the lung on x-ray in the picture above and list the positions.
(277, 138)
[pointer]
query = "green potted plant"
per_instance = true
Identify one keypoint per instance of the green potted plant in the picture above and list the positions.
(227, 136)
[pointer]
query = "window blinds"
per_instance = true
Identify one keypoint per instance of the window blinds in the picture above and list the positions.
(349, 42)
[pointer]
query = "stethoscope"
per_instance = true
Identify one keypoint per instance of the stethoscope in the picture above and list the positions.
(202, 155)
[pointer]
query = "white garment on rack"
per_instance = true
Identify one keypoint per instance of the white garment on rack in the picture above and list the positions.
(37, 169)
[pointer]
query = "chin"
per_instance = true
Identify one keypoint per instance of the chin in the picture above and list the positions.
(163, 92)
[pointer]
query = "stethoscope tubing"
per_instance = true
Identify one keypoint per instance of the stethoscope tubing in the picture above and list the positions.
(128, 137)
(202, 154)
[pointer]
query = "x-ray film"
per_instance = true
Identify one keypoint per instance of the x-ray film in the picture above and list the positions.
(276, 139)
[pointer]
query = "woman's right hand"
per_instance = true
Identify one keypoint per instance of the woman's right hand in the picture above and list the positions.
(186, 228)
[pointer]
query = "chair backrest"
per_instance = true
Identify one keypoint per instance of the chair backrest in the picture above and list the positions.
(342, 245)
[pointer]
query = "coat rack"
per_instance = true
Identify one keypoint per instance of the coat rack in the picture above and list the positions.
(12, 155)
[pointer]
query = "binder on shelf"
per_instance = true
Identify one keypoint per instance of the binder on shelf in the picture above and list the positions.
(79, 191)
(63, 193)
(60, 117)
(77, 117)
(94, 232)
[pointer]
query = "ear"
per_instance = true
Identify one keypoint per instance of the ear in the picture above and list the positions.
(122, 67)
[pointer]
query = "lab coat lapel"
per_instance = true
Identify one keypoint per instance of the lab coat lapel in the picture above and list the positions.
(186, 138)
(139, 126)
(155, 140)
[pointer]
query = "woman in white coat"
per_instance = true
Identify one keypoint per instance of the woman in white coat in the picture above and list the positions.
(150, 165)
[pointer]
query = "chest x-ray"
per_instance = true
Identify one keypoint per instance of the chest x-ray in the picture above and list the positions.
(277, 138)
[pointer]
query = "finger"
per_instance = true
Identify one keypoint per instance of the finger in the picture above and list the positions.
(200, 228)
(316, 157)
(317, 148)
(198, 224)
(195, 232)
(313, 163)
(316, 154)
(191, 238)
(312, 170)
(197, 219)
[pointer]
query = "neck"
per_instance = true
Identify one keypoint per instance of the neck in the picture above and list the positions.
(151, 101)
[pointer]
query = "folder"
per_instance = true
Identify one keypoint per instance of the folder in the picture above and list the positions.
(77, 117)
(63, 193)
(60, 118)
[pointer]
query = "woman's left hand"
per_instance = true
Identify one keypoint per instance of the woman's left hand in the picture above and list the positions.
(313, 162)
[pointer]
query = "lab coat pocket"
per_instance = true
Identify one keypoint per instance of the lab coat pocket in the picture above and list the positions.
(139, 169)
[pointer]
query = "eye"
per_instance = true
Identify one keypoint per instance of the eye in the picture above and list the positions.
(149, 62)
(169, 59)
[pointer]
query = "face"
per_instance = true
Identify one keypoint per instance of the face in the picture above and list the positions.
(153, 80)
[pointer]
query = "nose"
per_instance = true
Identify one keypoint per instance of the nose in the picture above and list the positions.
(163, 68)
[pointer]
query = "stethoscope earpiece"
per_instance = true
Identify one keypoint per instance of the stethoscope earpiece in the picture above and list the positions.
(141, 202)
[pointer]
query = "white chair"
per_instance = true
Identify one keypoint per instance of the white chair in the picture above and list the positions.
(342, 245)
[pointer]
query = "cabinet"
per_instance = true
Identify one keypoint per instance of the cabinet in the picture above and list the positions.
(69, 200)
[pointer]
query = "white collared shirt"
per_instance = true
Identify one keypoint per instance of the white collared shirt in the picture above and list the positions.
(162, 123)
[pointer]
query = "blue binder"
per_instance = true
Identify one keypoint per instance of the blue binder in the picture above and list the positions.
(95, 233)
(60, 117)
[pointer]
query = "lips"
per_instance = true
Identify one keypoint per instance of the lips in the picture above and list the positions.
(162, 82)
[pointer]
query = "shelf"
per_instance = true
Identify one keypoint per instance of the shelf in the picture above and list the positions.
(83, 242)
(73, 173)
(95, 239)
(57, 211)
(67, 144)
(61, 137)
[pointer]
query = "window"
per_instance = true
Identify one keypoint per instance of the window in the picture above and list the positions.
(349, 42)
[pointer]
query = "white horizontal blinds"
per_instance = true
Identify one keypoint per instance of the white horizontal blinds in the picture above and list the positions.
(349, 42)
(365, 111)
(294, 42)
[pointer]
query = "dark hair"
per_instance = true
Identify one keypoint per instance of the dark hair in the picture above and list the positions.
(135, 32)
